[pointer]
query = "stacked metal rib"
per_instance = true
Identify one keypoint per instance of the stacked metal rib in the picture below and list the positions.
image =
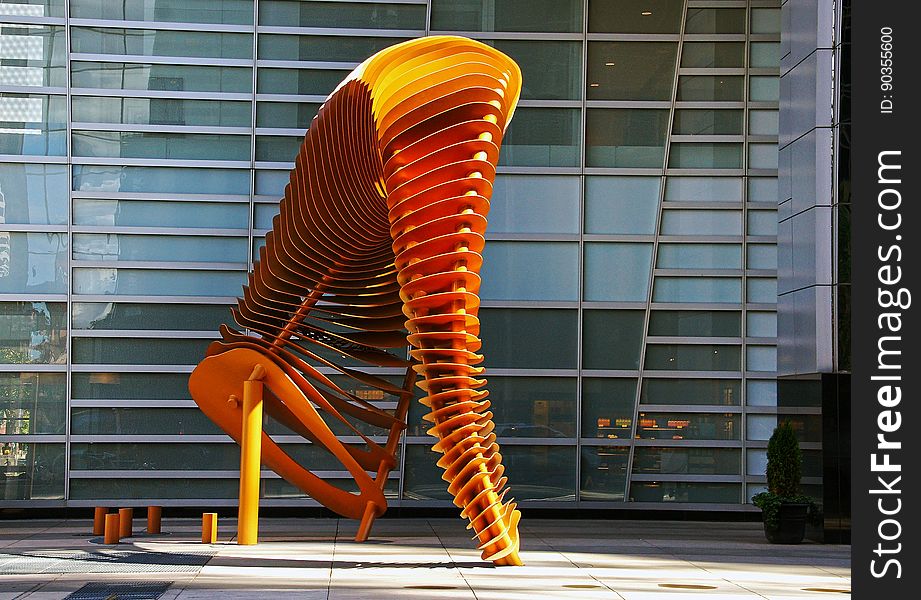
(441, 115)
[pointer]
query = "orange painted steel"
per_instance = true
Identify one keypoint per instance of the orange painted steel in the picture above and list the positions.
(377, 246)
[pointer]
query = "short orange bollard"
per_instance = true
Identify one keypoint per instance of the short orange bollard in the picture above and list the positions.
(99, 520)
(208, 528)
(111, 529)
(125, 524)
(153, 518)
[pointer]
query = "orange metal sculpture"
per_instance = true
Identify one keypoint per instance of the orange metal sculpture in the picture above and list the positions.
(383, 220)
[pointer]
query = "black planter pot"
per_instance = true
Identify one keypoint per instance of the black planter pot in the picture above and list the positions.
(791, 524)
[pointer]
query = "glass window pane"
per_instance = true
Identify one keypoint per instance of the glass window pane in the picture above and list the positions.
(140, 76)
(687, 461)
(687, 426)
(173, 248)
(130, 386)
(542, 338)
(765, 54)
(237, 12)
(764, 89)
(683, 491)
(292, 115)
(32, 471)
(549, 70)
(117, 315)
(762, 222)
(695, 323)
(164, 180)
(621, 204)
(160, 111)
(264, 213)
(141, 421)
(508, 271)
(705, 156)
(763, 122)
(762, 156)
(710, 55)
(705, 189)
(611, 339)
(534, 204)
(298, 81)
(32, 404)
(151, 42)
(762, 256)
(604, 473)
(556, 16)
(272, 183)
(144, 457)
(150, 282)
(708, 122)
(697, 289)
(33, 55)
(320, 47)
(33, 263)
(189, 146)
(153, 489)
(634, 16)
(631, 70)
(543, 137)
(625, 137)
(761, 392)
(607, 407)
(702, 357)
(699, 256)
(761, 358)
(617, 272)
(34, 193)
(709, 88)
(762, 189)
(715, 20)
(701, 222)
(533, 406)
(692, 391)
(765, 20)
(762, 290)
(347, 15)
(33, 333)
(160, 213)
(808, 428)
(126, 351)
(761, 324)
(46, 8)
(278, 148)
(33, 124)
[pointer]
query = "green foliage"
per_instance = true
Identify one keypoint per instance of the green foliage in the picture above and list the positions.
(784, 461)
(770, 507)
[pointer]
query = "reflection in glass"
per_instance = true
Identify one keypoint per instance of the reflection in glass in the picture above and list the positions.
(534, 204)
(701, 222)
(143, 282)
(715, 20)
(607, 407)
(616, 272)
(125, 315)
(684, 491)
(709, 88)
(611, 339)
(808, 428)
(704, 189)
(761, 358)
(705, 155)
(33, 333)
(695, 323)
(143, 76)
(153, 489)
(130, 386)
(543, 137)
(236, 12)
(708, 122)
(542, 338)
(691, 391)
(621, 204)
(698, 289)
(30, 471)
(160, 111)
(278, 148)
(141, 421)
(761, 392)
(33, 193)
(709, 55)
(699, 256)
(762, 156)
(631, 70)
(763, 189)
(560, 16)
(703, 357)
(764, 89)
(33, 124)
(550, 70)
(320, 47)
(160, 213)
(152, 42)
(184, 146)
(687, 461)
(292, 115)
(687, 426)
(165, 180)
(761, 290)
(346, 15)
(604, 472)
(32, 403)
(634, 16)
(172, 248)
(32, 55)
(761, 324)
(762, 222)
(138, 351)
(765, 20)
(542, 407)
(505, 263)
(625, 137)
(319, 82)
(33, 263)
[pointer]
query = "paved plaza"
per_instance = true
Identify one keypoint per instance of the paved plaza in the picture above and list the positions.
(308, 559)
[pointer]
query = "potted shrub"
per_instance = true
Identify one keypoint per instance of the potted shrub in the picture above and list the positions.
(783, 509)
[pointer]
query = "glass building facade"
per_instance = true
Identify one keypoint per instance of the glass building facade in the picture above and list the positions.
(630, 281)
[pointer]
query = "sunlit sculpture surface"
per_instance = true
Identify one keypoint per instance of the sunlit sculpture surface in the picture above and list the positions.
(382, 221)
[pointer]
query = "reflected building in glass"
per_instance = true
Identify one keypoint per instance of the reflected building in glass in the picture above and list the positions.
(630, 277)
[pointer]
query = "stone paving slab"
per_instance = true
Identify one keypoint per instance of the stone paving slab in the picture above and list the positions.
(430, 559)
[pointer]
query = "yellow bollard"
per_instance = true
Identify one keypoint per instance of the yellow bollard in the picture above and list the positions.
(111, 529)
(99, 520)
(250, 459)
(125, 524)
(153, 518)
(208, 528)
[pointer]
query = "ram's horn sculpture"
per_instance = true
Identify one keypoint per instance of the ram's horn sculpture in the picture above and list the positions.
(377, 245)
